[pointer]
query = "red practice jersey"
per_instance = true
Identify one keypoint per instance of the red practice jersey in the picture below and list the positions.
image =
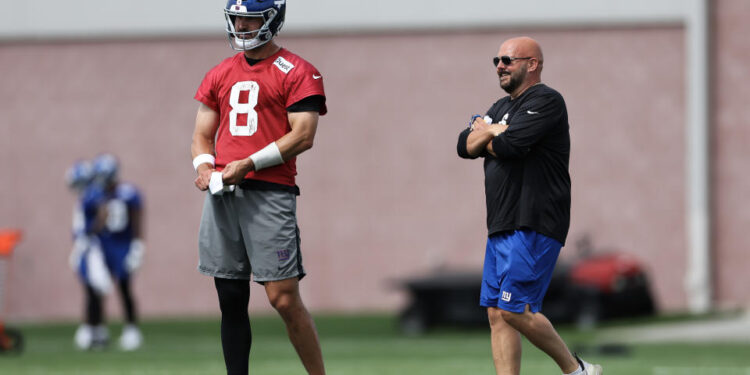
(252, 101)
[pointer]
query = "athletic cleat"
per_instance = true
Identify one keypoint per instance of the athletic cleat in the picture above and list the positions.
(588, 368)
(84, 337)
(131, 338)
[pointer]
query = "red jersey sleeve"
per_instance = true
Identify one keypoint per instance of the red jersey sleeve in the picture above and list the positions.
(206, 93)
(305, 81)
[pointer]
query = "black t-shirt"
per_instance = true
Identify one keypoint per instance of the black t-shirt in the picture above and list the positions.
(527, 186)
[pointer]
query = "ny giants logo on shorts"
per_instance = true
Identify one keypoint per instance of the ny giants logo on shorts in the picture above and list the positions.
(283, 255)
(506, 296)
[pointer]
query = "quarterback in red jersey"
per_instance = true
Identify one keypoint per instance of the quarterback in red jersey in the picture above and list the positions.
(252, 101)
(259, 110)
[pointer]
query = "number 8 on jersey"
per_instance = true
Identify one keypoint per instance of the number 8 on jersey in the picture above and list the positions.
(248, 108)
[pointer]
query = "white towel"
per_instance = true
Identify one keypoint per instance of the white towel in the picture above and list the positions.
(216, 184)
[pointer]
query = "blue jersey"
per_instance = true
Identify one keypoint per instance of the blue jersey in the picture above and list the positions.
(115, 224)
(107, 215)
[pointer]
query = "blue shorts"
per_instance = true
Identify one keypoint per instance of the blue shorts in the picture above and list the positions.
(115, 253)
(517, 270)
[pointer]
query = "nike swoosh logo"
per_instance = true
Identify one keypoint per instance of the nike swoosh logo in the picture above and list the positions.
(532, 113)
(317, 77)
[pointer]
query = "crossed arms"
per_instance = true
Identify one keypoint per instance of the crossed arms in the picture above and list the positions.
(480, 137)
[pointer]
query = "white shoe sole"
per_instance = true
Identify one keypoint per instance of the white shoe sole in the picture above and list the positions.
(594, 370)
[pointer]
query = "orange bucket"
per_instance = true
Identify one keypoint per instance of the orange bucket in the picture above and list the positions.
(8, 240)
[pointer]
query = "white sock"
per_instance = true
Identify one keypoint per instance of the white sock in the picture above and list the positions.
(576, 372)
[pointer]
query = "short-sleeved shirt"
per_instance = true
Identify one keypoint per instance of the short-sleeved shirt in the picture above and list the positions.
(252, 102)
(527, 186)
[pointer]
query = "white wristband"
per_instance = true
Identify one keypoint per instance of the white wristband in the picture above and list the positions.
(267, 157)
(203, 158)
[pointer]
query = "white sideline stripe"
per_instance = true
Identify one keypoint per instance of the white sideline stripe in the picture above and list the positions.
(701, 371)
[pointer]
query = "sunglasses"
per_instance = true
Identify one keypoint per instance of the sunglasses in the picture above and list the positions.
(507, 60)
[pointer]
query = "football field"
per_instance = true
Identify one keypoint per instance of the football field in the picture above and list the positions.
(361, 345)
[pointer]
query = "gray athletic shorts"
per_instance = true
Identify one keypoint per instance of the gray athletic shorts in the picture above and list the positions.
(250, 231)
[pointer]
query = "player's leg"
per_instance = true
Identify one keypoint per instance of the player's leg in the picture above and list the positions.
(273, 243)
(236, 337)
(115, 254)
(540, 332)
(505, 340)
(94, 307)
(531, 258)
(95, 311)
(128, 303)
(95, 277)
(90, 333)
(223, 256)
(285, 298)
(131, 337)
(506, 344)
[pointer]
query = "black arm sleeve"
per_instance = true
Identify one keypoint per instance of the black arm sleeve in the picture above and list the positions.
(461, 146)
(313, 103)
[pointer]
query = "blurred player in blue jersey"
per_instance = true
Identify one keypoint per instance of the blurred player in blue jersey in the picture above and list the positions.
(87, 260)
(107, 246)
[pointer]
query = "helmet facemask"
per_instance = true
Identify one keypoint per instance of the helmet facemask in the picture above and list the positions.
(105, 170)
(248, 40)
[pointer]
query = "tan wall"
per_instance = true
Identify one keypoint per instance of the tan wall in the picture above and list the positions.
(384, 195)
(731, 180)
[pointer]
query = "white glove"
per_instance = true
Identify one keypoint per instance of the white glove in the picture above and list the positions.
(134, 259)
(80, 245)
(99, 277)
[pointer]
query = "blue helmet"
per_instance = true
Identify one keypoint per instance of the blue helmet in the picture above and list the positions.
(79, 175)
(272, 12)
(105, 168)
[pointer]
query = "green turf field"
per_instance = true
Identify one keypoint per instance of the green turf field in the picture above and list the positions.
(351, 345)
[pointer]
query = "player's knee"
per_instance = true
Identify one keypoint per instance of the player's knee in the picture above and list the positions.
(495, 315)
(510, 317)
(283, 302)
(233, 294)
(499, 317)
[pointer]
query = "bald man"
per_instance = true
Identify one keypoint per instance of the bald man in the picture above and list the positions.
(525, 142)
